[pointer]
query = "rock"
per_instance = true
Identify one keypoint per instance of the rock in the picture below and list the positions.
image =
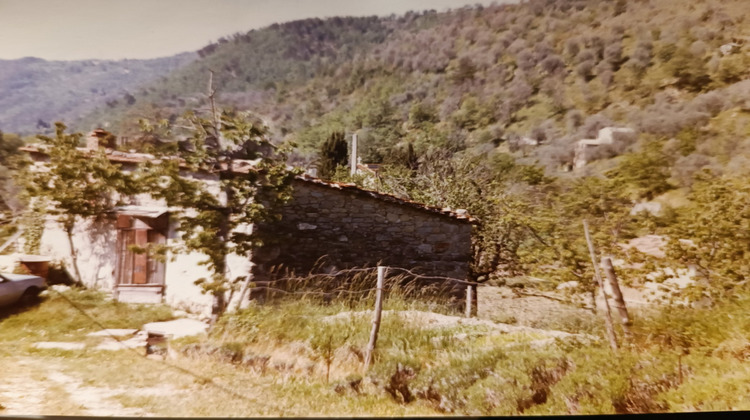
(650, 244)
(651, 207)
(138, 341)
(117, 332)
(568, 285)
(528, 141)
(730, 48)
(59, 345)
(177, 328)
(306, 226)
(60, 288)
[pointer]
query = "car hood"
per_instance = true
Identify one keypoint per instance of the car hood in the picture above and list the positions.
(19, 277)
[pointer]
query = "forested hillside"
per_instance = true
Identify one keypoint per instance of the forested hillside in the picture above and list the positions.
(34, 93)
(252, 70)
(482, 108)
(629, 117)
(551, 71)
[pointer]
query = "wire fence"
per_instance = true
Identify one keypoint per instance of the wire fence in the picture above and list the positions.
(354, 286)
(360, 283)
(359, 280)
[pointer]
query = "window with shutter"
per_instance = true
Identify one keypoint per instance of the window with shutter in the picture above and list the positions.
(135, 236)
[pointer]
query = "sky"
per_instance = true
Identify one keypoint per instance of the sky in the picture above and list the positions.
(118, 29)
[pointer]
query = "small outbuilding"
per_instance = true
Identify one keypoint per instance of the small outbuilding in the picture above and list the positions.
(325, 226)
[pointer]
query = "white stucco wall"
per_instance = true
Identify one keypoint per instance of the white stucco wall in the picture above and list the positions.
(184, 270)
(95, 245)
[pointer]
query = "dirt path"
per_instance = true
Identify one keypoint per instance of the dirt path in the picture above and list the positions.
(29, 387)
(20, 393)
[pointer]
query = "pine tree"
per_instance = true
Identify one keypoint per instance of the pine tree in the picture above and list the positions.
(333, 152)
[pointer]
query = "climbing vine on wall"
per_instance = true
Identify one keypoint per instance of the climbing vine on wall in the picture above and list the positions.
(33, 224)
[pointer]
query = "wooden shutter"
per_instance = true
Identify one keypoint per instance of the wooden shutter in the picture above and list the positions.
(156, 267)
(140, 260)
(124, 221)
(125, 238)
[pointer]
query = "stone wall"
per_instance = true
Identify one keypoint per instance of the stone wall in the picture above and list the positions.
(351, 228)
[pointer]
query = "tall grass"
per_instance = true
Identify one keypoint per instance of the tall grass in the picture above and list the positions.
(680, 359)
(309, 350)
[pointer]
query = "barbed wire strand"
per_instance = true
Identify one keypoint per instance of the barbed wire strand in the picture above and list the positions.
(313, 292)
(351, 270)
(210, 381)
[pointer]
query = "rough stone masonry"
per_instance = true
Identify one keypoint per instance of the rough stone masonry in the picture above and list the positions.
(340, 227)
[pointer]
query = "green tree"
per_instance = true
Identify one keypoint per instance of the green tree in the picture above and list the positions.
(645, 173)
(253, 181)
(558, 250)
(690, 71)
(712, 234)
(9, 144)
(333, 152)
(498, 192)
(80, 184)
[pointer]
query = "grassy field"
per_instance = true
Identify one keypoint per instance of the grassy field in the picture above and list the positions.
(299, 358)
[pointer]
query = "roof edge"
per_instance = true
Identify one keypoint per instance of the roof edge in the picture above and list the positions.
(459, 215)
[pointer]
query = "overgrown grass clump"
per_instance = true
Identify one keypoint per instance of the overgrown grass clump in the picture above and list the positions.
(679, 359)
(304, 357)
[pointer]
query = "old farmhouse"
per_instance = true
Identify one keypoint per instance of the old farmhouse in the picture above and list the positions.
(325, 226)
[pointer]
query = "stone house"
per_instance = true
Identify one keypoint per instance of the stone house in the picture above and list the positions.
(340, 225)
(607, 136)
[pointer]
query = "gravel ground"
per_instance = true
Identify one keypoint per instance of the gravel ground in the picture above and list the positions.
(500, 304)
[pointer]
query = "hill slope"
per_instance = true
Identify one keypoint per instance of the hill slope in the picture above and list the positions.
(552, 72)
(34, 93)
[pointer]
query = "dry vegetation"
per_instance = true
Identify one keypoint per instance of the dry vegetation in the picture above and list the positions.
(302, 358)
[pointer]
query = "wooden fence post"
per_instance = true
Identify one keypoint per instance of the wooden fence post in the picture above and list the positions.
(622, 309)
(607, 313)
(376, 317)
(243, 292)
(468, 301)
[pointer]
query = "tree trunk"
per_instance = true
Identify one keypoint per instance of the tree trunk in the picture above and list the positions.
(73, 255)
(217, 307)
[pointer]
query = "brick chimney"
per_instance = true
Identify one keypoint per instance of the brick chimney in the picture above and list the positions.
(96, 139)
